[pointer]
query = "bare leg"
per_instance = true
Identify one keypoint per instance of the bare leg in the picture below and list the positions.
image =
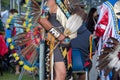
(17, 69)
(60, 71)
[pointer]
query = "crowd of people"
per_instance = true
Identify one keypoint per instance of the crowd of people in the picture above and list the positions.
(4, 50)
(76, 32)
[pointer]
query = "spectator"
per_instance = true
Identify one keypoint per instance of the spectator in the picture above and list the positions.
(92, 19)
(81, 42)
(4, 16)
(3, 47)
(12, 32)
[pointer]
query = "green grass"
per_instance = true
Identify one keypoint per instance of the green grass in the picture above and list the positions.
(12, 76)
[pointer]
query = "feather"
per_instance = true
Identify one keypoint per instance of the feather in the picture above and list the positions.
(33, 56)
(117, 66)
(22, 40)
(103, 56)
(25, 48)
(21, 44)
(28, 50)
(35, 3)
(107, 50)
(109, 60)
(73, 24)
(21, 35)
(113, 62)
(61, 17)
(103, 65)
(114, 40)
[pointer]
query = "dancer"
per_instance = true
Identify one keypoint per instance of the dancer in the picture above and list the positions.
(56, 19)
(107, 29)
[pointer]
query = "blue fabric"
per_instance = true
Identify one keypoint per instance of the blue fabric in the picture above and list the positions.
(113, 2)
(8, 35)
(82, 41)
(77, 60)
(119, 24)
(18, 30)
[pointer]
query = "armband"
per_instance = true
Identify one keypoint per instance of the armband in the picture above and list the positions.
(54, 32)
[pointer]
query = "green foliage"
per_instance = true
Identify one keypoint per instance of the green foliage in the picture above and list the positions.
(5, 4)
(12, 76)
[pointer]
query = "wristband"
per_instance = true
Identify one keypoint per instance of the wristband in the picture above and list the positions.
(54, 32)
(67, 40)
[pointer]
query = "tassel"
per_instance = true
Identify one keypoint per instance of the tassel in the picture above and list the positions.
(90, 41)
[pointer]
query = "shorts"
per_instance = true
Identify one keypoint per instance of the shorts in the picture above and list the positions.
(58, 57)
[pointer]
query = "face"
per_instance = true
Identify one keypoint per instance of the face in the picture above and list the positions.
(95, 14)
(50, 3)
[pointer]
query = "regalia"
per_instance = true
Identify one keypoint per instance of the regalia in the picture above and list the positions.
(107, 29)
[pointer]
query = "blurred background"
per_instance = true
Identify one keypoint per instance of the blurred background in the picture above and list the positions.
(10, 4)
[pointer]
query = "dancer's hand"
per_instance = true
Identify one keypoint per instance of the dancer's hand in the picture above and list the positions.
(66, 42)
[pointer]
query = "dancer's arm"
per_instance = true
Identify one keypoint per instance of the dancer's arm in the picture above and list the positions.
(49, 27)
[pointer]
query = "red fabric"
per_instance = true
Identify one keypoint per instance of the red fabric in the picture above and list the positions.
(14, 31)
(87, 63)
(99, 31)
(104, 21)
(3, 47)
(70, 56)
(28, 56)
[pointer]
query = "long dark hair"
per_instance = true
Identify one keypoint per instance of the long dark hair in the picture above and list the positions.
(90, 23)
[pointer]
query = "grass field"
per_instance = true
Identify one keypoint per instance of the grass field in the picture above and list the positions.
(12, 76)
